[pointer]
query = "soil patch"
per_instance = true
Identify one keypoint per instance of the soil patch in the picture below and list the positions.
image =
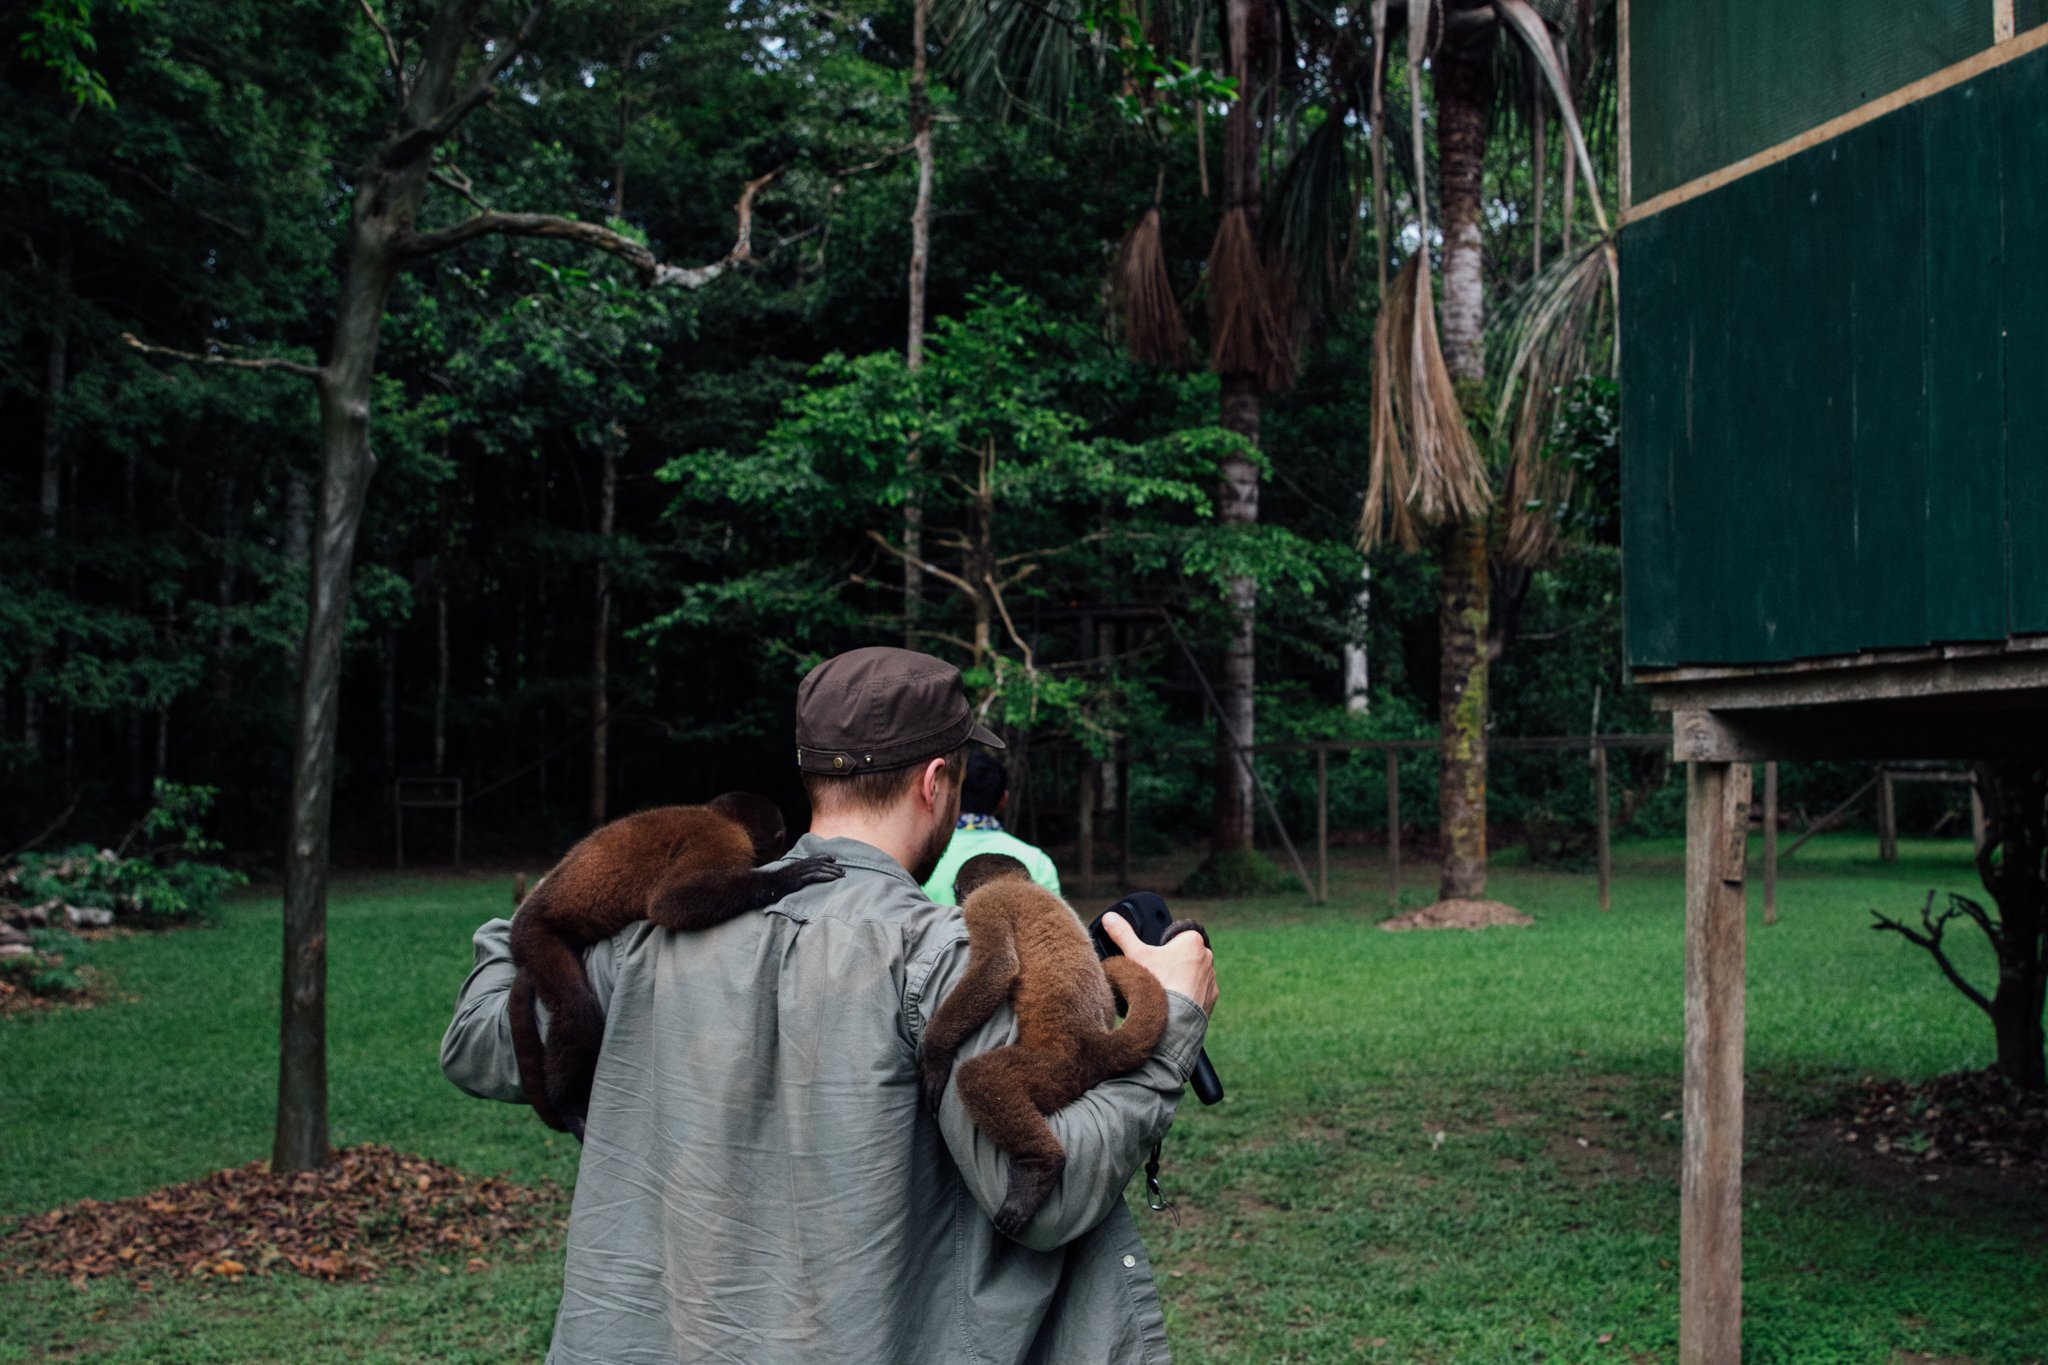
(1970, 1118)
(372, 1209)
(1457, 914)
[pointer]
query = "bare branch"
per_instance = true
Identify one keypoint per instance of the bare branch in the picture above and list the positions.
(548, 225)
(1088, 539)
(449, 175)
(418, 140)
(297, 367)
(1931, 941)
(884, 159)
(390, 51)
(1030, 662)
(934, 570)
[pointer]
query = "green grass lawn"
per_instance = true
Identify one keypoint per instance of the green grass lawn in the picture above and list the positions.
(1437, 1147)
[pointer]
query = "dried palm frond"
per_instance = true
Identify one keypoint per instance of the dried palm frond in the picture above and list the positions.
(1249, 332)
(1538, 346)
(1147, 312)
(1425, 469)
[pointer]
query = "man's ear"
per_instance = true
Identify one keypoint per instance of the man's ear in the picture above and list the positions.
(928, 783)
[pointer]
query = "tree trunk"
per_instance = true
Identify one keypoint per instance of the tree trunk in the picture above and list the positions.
(600, 674)
(1238, 495)
(2018, 837)
(1357, 655)
(224, 595)
(1464, 89)
(56, 373)
(913, 347)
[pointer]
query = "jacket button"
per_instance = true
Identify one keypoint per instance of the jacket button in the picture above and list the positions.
(1130, 1262)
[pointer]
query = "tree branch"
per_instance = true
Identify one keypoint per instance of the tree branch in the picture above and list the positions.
(1931, 941)
(934, 570)
(449, 175)
(1030, 662)
(1088, 539)
(417, 141)
(390, 51)
(651, 271)
(297, 367)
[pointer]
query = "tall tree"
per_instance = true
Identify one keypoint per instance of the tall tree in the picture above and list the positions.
(1434, 413)
(451, 75)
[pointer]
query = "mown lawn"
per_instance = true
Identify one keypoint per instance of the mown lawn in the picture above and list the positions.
(1437, 1147)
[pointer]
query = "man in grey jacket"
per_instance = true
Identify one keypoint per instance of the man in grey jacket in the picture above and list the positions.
(760, 1182)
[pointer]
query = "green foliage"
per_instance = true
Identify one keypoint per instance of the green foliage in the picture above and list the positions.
(56, 968)
(167, 882)
(59, 36)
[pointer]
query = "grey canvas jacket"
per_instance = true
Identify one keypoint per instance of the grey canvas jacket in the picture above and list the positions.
(760, 1182)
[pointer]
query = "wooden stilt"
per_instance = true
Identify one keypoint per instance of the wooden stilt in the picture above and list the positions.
(1322, 825)
(1887, 817)
(1394, 827)
(1976, 817)
(1771, 843)
(1710, 1199)
(1601, 833)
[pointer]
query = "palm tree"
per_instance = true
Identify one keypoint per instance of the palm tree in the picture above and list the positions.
(1432, 401)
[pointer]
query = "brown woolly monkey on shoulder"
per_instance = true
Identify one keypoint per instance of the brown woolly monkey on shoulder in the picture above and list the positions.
(1027, 946)
(682, 867)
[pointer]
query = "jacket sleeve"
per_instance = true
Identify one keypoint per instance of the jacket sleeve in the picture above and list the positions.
(1107, 1133)
(476, 1051)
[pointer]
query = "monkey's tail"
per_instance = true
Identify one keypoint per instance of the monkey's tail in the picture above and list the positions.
(1128, 1048)
(529, 1049)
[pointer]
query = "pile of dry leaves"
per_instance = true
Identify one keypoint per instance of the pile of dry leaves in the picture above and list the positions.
(373, 1208)
(1972, 1118)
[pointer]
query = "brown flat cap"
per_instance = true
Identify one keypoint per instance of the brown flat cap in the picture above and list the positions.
(872, 709)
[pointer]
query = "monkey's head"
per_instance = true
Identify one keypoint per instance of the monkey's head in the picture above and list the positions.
(758, 816)
(984, 868)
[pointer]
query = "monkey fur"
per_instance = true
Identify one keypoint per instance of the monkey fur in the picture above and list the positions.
(1027, 946)
(682, 867)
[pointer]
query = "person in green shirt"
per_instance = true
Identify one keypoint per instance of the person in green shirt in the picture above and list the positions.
(979, 829)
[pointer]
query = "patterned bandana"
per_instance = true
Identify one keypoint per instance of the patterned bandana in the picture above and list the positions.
(987, 822)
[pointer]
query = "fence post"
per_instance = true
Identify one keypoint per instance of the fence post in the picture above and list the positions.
(1322, 825)
(1600, 829)
(1771, 842)
(1123, 815)
(1887, 817)
(1394, 826)
(1087, 822)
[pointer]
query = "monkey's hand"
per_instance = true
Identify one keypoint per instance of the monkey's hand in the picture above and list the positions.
(934, 1069)
(804, 872)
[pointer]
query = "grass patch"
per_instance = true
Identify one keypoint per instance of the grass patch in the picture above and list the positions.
(1323, 1218)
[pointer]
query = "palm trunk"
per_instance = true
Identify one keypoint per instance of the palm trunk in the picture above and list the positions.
(1464, 91)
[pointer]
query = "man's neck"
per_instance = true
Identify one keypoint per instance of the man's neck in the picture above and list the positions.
(892, 837)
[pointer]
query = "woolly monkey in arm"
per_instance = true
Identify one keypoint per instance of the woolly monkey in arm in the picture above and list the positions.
(682, 867)
(1025, 945)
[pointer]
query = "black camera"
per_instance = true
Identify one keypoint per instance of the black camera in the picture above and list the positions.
(1146, 913)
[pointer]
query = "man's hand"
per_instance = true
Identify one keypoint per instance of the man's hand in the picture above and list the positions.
(1183, 963)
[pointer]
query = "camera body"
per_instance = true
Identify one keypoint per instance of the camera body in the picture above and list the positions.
(1146, 913)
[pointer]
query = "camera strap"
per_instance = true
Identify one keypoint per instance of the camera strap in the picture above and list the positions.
(1155, 1198)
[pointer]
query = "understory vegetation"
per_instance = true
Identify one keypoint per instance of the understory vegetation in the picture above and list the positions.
(1436, 1146)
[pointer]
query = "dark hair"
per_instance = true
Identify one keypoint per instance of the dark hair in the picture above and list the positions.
(873, 791)
(986, 782)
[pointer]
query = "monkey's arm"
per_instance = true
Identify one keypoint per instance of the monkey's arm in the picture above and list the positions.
(476, 1051)
(979, 993)
(1106, 1133)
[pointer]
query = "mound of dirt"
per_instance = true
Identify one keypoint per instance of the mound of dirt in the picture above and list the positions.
(373, 1208)
(1971, 1118)
(1457, 914)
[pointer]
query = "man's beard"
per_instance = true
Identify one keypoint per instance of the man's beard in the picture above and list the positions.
(936, 838)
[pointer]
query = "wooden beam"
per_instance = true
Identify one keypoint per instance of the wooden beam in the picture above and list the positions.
(1710, 1193)
(1600, 829)
(2016, 666)
(1887, 818)
(1770, 843)
(1862, 731)
(1322, 826)
(1990, 58)
(1394, 827)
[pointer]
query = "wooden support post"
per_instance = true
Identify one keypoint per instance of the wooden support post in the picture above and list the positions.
(1771, 843)
(1710, 1195)
(1394, 827)
(1601, 832)
(1087, 819)
(1322, 825)
(458, 823)
(1887, 817)
(1976, 817)
(1123, 817)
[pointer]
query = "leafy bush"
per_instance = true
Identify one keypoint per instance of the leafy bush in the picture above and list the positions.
(166, 881)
